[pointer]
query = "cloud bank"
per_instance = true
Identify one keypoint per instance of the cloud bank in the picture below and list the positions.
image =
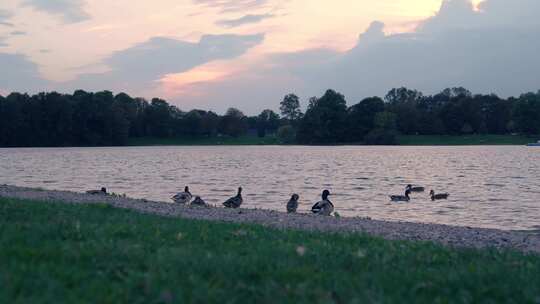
(71, 11)
(144, 64)
(20, 74)
(491, 50)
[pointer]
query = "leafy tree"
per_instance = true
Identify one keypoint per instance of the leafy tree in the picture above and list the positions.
(527, 113)
(290, 108)
(325, 120)
(361, 118)
(233, 123)
(159, 118)
(385, 130)
(267, 121)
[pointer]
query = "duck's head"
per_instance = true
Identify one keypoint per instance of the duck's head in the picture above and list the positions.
(408, 187)
(186, 189)
(431, 192)
(103, 189)
(239, 190)
(295, 197)
(325, 194)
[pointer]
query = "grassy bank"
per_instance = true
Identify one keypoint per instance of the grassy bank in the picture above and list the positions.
(406, 140)
(209, 141)
(98, 254)
(436, 140)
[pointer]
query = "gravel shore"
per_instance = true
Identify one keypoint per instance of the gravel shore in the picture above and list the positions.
(526, 241)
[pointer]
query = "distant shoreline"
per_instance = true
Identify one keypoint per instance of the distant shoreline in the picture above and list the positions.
(403, 140)
(453, 236)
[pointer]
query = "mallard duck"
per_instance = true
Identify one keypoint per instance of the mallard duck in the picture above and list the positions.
(415, 189)
(94, 192)
(236, 201)
(198, 201)
(292, 205)
(325, 206)
(182, 197)
(439, 196)
(401, 198)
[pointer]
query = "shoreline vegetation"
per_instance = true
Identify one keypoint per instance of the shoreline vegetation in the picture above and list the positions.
(68, 247)
(404, 116)
(272, 140)
(404, 140)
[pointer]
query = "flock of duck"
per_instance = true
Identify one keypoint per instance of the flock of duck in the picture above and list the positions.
(322, 207)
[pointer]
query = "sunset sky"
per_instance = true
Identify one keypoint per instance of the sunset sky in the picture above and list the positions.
(213, 54)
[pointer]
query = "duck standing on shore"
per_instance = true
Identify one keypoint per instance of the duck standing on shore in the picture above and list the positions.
(438, 196)
(235, 201)
(325, 206)
(94, 192)
(199, 202)
(401, 198)
(182, 197)
(292, 205)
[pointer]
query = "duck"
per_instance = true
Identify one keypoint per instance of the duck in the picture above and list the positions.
(325, 206)
(182, 197)
(198, 201)
(438, 196)
(415, 189)
(95, 192)
(235, 201)
(292, 205)
(401, 198)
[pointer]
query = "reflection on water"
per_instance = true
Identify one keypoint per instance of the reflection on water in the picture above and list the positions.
(495, 187)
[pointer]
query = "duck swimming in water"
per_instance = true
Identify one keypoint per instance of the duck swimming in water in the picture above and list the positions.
(94, 192)
(401, 198)
(182, 197)
(235, 201)
(292, 205)
(415, 189)
(439, 196)
(325, 206)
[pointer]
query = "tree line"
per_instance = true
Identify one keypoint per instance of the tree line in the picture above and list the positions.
(103, 119)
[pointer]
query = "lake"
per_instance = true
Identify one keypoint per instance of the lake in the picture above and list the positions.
(489, 186)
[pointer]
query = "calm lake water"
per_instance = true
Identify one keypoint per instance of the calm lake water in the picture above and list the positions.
(490, 186)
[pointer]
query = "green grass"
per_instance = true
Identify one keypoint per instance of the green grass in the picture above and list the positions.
(242, 140)
(435, 140)
(53, 253)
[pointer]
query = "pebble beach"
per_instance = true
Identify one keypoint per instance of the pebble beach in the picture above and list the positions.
(453, 236)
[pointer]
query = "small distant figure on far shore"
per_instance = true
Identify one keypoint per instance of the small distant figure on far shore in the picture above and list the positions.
(95, 192)
(292, 205)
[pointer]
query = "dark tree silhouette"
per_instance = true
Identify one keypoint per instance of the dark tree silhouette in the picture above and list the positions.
(290, 108)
